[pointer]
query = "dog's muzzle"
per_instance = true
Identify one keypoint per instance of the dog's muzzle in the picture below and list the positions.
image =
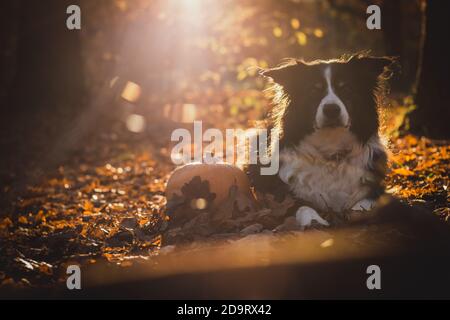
(332, 115)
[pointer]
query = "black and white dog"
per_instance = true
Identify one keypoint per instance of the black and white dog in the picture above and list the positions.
(326, 113)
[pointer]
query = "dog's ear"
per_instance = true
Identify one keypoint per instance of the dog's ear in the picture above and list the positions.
(376, 66)
(283, 74)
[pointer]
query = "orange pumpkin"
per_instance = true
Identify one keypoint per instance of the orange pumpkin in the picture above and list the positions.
(221, 177)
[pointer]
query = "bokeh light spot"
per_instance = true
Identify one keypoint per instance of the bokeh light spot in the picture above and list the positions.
(199, 203)
(131, 92)
(327, 243)
(277, 32)
(295, 23)
(189, 113)
(318, 33)
(113, 82)
(301, 38)
(135, 123)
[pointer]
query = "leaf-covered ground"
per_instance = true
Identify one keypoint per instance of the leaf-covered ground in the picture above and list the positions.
(420, 173)
(107, 204)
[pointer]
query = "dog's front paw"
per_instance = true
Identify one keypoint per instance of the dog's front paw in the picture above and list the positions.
(364, 205)
(306, 215)
(286, 172)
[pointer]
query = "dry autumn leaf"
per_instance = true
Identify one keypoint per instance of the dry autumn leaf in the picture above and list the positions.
(403, 172)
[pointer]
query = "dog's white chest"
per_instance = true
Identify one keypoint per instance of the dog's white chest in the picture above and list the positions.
(327, 169)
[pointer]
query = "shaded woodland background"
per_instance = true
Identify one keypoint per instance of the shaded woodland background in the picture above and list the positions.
(73, 149)
(201, 53)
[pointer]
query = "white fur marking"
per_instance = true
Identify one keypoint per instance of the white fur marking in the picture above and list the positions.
(285, 173)
(364, 205)
(331, 98)
(327, 184)
(306, 215)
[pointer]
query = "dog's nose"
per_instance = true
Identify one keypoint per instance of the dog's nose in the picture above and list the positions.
(331, 111)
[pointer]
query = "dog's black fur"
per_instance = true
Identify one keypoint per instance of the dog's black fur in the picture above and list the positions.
(298, 87)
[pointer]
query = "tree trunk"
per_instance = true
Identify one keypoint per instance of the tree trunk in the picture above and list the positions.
(392, 23)
(49, 67)
(433, 93)
(46, 92)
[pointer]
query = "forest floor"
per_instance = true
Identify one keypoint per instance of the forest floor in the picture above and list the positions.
(107, 204)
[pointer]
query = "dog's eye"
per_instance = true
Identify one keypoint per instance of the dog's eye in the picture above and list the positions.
(341, 84)
(318, 85)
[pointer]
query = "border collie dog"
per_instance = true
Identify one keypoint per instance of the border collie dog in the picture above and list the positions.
(326, 114)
